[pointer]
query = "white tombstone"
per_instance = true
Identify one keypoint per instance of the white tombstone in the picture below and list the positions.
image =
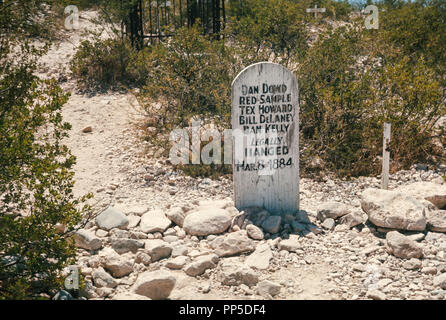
(265, 129)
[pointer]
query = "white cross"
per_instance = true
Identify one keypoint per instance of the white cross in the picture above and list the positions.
(315, 10)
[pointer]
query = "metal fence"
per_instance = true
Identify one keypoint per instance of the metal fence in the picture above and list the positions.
(157, 19)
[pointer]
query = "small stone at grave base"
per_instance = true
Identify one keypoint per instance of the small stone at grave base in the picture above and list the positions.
(207, 221)
(272, 224)
(297, 226)
(328, 224)
(254, 232)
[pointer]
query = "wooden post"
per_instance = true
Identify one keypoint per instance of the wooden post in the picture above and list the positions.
(386, 157)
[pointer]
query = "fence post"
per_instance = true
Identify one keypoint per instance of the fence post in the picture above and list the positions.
(386, 157)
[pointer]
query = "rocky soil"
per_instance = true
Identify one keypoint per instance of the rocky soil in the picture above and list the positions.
(161, 235)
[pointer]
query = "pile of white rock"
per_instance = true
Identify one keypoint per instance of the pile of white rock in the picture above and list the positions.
(136, 253)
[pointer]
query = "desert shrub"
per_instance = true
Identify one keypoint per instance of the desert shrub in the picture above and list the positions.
(418, 29)
(102, 63)
(348, 93)
(190, 75)
(275, 29)
(36, 179)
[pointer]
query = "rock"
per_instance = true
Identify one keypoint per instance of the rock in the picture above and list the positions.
(87, 240)
(118, 266)
(393, 210)
(412, 264)
(129, 296)
(429, 270)
(104, 292)
(154, 221)
(328, 224)
(235, 274)
(332, 210)
(402, 247)
(179, 251)
(103, 279)
(111, 218)
(254, 232)
(260, 258)
(353, 219)
(416, 236)
(63, 295)
(177, 263)
(291, 244)
(314, 229)
(302, 217)
(238, 221)
(201, 264)
(125, 245)
(87, 130)
(272, 224)
(430, 191)
(440, 281)
(375, 294)
(170, 232)
(133, 208)
(158, 249)
(133, 221)
(267, 288)
(156, 285)
(436, 220)
(232, 244)
(298, 227)
(435, 236)
(144, 258)
(207, 221)
(101, 233)
(176, 215)
(358, 267)
(170, 239)
(257, 215)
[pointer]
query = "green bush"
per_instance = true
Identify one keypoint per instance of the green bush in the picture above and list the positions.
(36, 179)
(190, 75)
(103, 63)
(275, 29)
(344, 104)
